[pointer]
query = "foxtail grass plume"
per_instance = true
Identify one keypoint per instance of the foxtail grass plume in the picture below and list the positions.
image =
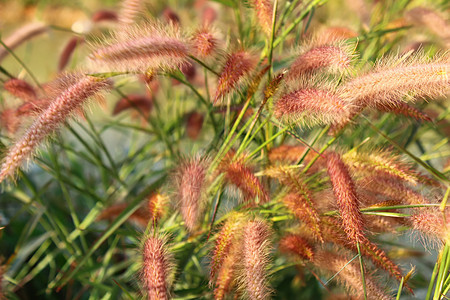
(345, 195)
(209, 15)
(157, 204)
(384, 163)
(171, 17)
(156, 267)
(432, 20)
(332, 57)
(390, 80)
(10, 120)
(228, 238)
(432, 223)
(393, 189)
(34, 107)
(226, 275)
(295, 244)
(21, 89)
(144, 47)
(304, 210)
(264, 13)
(239, 173)
(22, 35)
(204, 42)
(68, 51)
(255, 258)
(401, 108)
(81, 88)
(333, 231)
(312, 105)
(349, 275)
(191, 183)
(129, 11)
(237, 66)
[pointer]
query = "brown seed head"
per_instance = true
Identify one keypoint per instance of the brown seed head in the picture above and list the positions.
(296, 245)
(345, 195)
(68, 51)
(21, 89)
(239, 173)
(237, 66)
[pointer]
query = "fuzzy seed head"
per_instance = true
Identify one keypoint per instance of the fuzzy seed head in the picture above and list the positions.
(10, 120)
(237, 66)
(324, 56)
(204, 43)
(349, 275)
(387, 83)
(431, 223)
(239, 173)
(226, 274)
(226, 239)
(384, 163)
(256, 247)
(129, 11)
(142, 48)
(68, 51)
(401, 108)
(304, 210)
(296, 245)
(311, 105)
(50, 119)
(156, 205)
(264, 12)
(156, 268)
(191, 186)
(21, 89)
(345, 195)
(22, 35)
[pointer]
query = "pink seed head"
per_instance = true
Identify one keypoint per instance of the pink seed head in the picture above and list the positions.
(21, 89)
(71, 99)
(256, 248)
(156, 267)
(190, 180)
